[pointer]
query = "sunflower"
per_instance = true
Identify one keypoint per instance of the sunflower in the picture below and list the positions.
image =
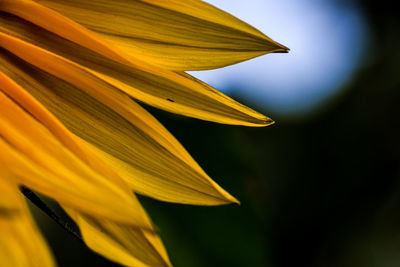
(71, 74)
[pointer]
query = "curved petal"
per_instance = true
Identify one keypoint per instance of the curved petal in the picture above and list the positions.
(124, 244)
(174, 34)
(142, 151)
(178, 93)
(38, 160)
(21, 244)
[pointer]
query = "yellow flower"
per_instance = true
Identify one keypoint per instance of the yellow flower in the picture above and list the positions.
(70, 129)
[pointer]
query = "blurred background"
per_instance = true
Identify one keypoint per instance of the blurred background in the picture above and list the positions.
(319, 188)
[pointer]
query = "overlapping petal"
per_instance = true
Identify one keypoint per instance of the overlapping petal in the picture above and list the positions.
(122, 238)
(21, 244)
(33, 155)
(129, 246)
(173, 34)
(70, 128)
(178, 93)
(136, 145)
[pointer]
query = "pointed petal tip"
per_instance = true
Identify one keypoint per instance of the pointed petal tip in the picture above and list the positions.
(263, 123)
(231, 200)
(227, 200)
(281, 51)
(235, 201)
(276, 47)
(270, 122)
(281, 48)
(223, 198)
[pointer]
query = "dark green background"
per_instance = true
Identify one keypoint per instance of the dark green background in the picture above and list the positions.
(319, 190)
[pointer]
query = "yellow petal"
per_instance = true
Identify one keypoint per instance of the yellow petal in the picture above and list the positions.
(37, 110)
(142, 151)
(178, 93)
(21, 244)
(31, 154)
(126, 245)
(54, 22)
(125, 239)
(174, 34)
